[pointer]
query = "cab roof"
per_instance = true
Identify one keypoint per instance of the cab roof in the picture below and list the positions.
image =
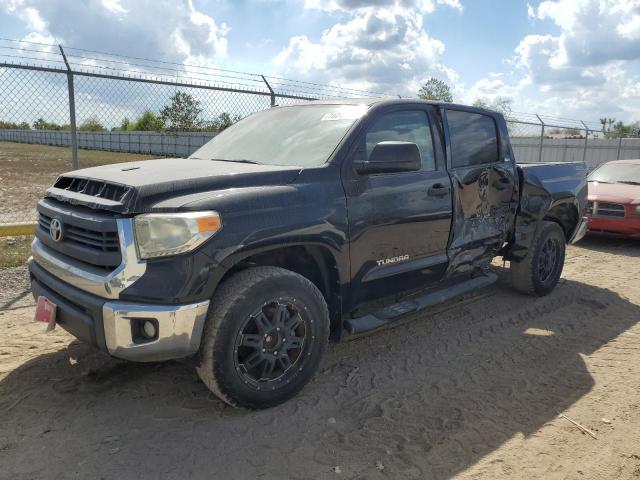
(387, 101)
(631, 161)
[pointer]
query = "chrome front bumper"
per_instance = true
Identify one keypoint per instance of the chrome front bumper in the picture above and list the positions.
(96, 281)
(178, 327)
(179, 330)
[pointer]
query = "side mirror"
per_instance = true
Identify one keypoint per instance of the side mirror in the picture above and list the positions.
(389, 157)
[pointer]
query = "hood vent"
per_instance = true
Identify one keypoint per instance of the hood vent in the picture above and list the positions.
(94, 188)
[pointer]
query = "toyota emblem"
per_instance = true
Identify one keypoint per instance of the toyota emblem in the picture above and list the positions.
(56, 230)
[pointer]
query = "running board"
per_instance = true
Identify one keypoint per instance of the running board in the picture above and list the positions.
(394, 312)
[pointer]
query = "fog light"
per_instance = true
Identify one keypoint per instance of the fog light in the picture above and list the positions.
(148, 329)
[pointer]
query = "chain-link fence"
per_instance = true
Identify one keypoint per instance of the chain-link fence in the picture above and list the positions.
(539, 138)
(73, 108)
(100, 108)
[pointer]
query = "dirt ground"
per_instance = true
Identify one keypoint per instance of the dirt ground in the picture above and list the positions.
(26, 171)
(472, 390)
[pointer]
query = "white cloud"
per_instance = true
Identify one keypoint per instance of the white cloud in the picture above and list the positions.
(594, 32)
(590, 67)
(29, 15)
(423, 6)
(144, 28)
(114, 6)
(381, 49)
(491, 88)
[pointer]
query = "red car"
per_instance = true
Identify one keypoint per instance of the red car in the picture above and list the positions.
(614, 199)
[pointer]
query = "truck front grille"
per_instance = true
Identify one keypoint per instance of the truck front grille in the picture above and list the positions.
(87, 236)
(606, 209)
(102, 241)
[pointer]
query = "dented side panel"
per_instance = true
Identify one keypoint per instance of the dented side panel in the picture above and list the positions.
(484, 209)
(485, 201)
(550, 191)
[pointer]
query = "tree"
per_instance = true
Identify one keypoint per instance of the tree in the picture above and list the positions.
(42, 124)
(147, 122)
(91, 124)
(182, 113)
(124, 126)
(502, 105)
(480, 103)
(222, 121)
(620, 129)
(435, 89)
(603, 122)
(14, 126)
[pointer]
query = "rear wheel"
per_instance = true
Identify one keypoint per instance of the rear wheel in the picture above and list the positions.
(264, 337)
(539, 272)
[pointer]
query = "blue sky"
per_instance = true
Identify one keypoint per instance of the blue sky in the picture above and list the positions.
(570, 58)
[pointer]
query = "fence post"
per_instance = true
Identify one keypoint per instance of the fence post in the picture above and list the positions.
(72, 112)
(586, 140)
(619, 148)
(541, 138)
(273, 95)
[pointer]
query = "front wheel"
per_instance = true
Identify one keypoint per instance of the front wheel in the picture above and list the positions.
(265, 335)
(539, 272)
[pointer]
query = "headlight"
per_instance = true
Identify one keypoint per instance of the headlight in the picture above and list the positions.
(636, 209)
(162, 234)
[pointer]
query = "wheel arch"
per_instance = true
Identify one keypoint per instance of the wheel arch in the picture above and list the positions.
(566, 215)
(315, 262)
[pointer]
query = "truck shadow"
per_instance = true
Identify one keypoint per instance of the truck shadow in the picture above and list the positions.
(426, 399)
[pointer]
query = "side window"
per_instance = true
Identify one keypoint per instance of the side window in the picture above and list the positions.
(408, 126)
(473, 138)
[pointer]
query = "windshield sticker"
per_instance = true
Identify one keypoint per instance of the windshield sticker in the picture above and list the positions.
(345, 113)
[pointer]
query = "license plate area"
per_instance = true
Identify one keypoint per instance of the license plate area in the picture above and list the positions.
(46, 312)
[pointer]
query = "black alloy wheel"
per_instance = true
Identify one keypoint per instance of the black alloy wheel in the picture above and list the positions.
(270, 346)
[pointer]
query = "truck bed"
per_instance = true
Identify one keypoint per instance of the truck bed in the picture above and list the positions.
(558, 179)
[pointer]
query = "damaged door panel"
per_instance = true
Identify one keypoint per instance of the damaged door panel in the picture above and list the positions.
(485, 189)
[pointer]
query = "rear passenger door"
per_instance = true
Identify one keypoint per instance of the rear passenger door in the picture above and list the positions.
(484, 183)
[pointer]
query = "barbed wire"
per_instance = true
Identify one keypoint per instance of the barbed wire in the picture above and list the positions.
(83, 60)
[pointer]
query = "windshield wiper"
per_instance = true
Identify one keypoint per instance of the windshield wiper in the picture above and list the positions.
(235, 160)
(238, 160)
(599, 181)
(629, 182)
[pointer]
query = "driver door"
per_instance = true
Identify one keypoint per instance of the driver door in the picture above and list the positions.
(398, 222)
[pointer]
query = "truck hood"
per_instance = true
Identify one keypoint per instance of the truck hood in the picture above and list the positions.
(135, 187)
(614, 192)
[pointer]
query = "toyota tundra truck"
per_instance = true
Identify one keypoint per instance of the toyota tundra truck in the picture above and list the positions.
(297, 225)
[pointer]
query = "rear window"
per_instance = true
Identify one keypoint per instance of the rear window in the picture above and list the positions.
(474, 140)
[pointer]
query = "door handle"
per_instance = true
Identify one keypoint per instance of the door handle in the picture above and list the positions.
(502, 184)
(438, 190)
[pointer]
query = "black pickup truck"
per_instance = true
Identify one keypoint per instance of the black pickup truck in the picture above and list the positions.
(294, 226)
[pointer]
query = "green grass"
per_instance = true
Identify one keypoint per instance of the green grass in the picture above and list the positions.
(14, 251)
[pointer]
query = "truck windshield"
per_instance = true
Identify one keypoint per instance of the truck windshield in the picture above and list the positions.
(616, 173)
(301, 135)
